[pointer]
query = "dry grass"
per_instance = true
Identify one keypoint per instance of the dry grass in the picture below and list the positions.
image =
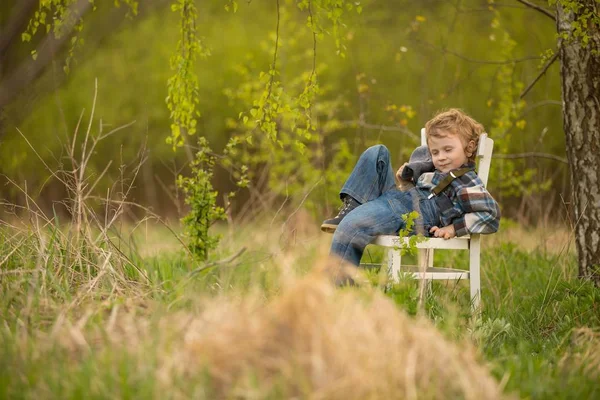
(312, 340)
(548, 239)
(584, 352)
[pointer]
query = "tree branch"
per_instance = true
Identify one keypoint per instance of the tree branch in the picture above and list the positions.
(538, 8)
(383, 128)
(532, 155)
(473, 60)
(211, 264)
(548, 64)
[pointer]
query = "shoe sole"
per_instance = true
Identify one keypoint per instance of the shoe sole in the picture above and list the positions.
(328, 228)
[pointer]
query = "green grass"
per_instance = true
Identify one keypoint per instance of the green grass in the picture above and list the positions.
(532, 304)
(57, 299)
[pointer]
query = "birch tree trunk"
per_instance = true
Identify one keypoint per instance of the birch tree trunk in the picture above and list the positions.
(580, 75)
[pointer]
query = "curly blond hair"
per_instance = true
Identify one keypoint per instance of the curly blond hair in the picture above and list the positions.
(456, 122)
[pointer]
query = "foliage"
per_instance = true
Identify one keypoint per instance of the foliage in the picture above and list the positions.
(512, 177)
(376, 74)
(284, 118)
(59, 17)
(202, 200)
(273, 107)
(183, 87)
(409, 231)
(586, 18)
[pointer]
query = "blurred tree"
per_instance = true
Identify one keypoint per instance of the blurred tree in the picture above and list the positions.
(35, 34)
(18, 70)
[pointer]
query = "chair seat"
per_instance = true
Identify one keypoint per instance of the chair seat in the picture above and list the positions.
(460, 243)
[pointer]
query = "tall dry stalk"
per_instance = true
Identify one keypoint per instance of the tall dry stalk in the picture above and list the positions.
(90, 254)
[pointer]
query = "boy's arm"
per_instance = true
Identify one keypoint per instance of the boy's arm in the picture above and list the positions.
(482, 214)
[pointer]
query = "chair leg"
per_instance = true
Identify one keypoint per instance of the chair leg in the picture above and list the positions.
(394, 259)
(425, 262)
(474, 272)
(430, 265)
(429, 258)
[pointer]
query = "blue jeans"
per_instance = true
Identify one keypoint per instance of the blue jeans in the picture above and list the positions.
(372, 184)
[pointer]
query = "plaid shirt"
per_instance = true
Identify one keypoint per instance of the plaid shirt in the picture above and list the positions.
(473, 209)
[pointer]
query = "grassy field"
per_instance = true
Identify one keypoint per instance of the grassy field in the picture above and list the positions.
(124, 313)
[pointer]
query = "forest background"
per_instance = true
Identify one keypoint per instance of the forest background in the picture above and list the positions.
(379, 78)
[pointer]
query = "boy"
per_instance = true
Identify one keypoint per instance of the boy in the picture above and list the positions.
(448, 195)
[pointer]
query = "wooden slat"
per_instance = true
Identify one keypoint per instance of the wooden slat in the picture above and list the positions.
(461, 243)
(434, 273)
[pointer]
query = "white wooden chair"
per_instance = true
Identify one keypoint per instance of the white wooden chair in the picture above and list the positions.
(470, 243)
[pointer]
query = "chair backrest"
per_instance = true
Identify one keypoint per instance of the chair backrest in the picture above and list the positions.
(484, 154)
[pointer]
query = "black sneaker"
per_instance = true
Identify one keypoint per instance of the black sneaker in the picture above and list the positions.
(330, 225)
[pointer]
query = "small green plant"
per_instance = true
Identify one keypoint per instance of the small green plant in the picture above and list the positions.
(409, 247)
(202, 199)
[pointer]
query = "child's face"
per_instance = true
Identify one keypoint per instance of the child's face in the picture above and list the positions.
(449, 152)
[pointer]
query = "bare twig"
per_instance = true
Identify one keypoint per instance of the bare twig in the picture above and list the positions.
(40, 157)
(28, 198)
(476, 61)
(72, 151)
(532, 155)
(117, 129)
(217, 263)
(542, 72)
(538, 8)
(383, 128)
(99, 178)
(169, 193)
(150, 213)
(15, 248)
(301, 202)
(85, 159)
(287, 197)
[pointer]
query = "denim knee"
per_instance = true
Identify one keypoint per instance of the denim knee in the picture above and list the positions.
(353, 232)
(378, 151)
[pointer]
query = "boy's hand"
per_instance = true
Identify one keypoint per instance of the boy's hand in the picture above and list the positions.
(447, 232)
(399, 172)
(402, 184)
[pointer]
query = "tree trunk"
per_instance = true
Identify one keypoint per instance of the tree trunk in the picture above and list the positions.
(580, 75)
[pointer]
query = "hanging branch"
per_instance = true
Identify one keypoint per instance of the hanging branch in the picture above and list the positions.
(272, 71)
(313, 73)
(473, 60)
